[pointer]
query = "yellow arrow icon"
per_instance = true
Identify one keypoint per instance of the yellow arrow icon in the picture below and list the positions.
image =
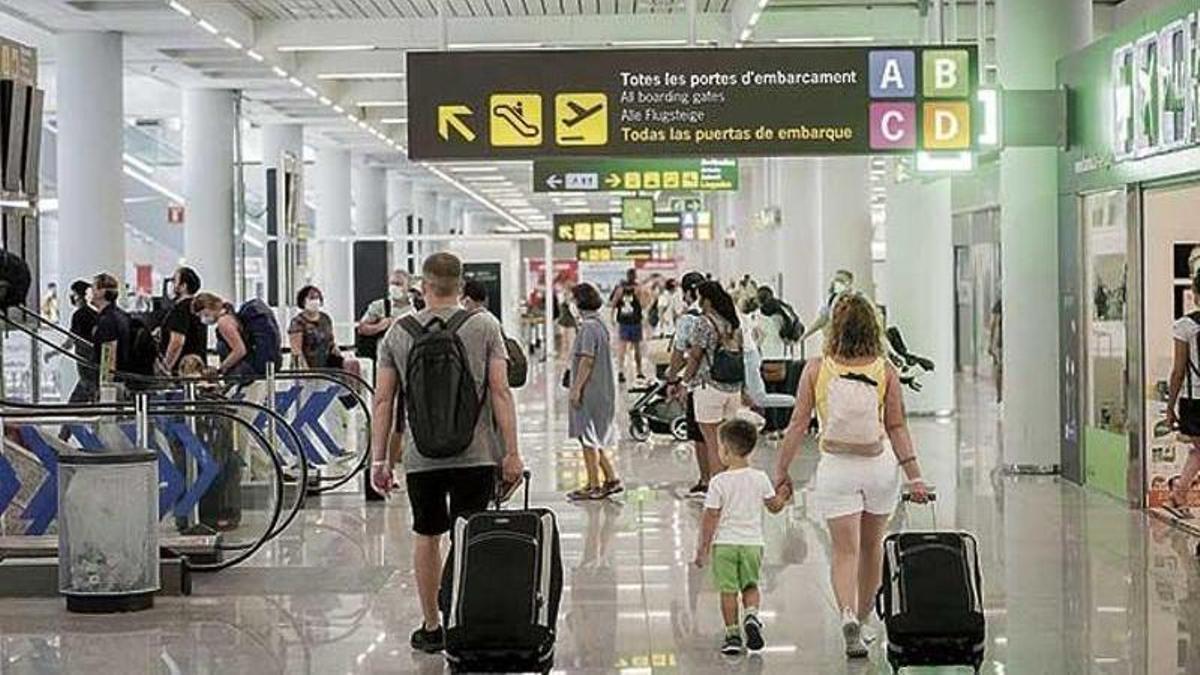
(613, 180)
(450, 117)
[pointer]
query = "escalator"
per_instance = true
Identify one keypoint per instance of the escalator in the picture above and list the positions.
(236, 464)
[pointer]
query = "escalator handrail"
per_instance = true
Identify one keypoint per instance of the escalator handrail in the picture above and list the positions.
(127, 409)
(271, 530)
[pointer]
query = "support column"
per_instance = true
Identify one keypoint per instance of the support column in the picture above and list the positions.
(369, 186)
(399, 208)
(90, 106)
(800, 238)
(920, 282)
(846, 220)
(333, 220)
(209, 130)
(458, 224)
(441, 218)
(1031, 37)
(425, 208)
(278, 139)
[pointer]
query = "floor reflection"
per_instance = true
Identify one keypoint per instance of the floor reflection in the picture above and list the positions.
(1074, 581)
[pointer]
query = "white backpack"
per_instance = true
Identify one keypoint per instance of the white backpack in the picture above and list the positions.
(853, 421)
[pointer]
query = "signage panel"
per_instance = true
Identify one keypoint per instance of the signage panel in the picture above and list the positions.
(691, 102)
(619, 175)
(606, 228)
(1155, 89)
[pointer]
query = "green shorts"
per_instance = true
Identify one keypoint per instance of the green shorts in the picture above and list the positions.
(735, 567)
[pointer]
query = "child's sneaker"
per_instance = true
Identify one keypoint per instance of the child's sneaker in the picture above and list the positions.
(732, 645)
(852, 633)
(753, 628)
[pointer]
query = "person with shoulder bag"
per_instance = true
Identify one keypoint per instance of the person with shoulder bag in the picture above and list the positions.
(857, 396)
(715, 366)
(1183, 403)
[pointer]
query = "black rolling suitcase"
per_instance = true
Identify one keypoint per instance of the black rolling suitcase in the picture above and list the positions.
(505, 586)
(931, 599)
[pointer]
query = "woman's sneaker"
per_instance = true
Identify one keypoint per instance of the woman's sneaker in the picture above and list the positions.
(613, 487)
(753, 629)
(428, 641)
(732, 646)
(852, 633)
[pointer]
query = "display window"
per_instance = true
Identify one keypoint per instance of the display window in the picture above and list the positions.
(1171, 250)
(1105, 231)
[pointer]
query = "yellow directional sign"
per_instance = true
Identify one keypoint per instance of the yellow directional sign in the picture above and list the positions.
(450, 117)
(516, 119)
(581, 119)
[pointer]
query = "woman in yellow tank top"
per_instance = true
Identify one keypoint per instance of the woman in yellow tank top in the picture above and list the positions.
(857, 396)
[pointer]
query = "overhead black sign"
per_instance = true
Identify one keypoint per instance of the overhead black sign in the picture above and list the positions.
(689, 102)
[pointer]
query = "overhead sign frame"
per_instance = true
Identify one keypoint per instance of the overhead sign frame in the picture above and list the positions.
(786, 101)
(591, 174)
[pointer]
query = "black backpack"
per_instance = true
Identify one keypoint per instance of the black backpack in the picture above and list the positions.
(442, 404)
(791, 330)
(518, 364)
(367, 346)
(142, 354)
(260, 332)
(727, 366)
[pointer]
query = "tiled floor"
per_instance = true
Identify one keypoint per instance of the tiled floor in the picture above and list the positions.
(1074, 582)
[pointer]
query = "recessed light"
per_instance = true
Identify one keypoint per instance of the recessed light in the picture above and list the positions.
(473, 169)
(362, 76)
(382, 104)
(394, 120)
(280, 72)
(179, 7)
(254, 55)
(326, 48)
(495, 45)
(233, 43)
(481, 179)
(207, 26)
(325, 100)
(296, 82)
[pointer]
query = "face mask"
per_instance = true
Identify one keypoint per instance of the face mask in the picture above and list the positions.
(398, 293)
(208, 319)
(839, 287)
(312, 305)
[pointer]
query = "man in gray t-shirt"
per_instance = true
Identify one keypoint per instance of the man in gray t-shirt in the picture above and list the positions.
(440, 490)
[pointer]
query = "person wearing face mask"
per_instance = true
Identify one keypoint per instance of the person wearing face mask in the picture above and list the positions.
(842, 283)
(182, 332)
(210, 309)
(111, 337)
(311, 336)
(382, 313)
(83, 325)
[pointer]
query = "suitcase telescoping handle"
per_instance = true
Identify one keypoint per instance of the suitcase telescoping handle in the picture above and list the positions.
(499, 499)
(525, 477)
(906, 497)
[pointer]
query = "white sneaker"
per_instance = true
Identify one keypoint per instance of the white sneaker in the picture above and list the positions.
(852, 633)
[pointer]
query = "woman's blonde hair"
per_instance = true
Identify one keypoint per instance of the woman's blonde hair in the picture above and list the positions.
(853, 329)
(209, 301)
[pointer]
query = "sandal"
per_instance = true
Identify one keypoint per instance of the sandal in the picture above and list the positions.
(612, 487)
(585, 494)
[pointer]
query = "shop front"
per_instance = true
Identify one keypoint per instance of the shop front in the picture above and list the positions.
(1129, 244)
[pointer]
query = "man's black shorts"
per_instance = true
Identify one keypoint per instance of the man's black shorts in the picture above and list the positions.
(693, 429)
(439, 497)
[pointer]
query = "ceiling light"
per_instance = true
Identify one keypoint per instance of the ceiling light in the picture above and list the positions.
(480, 179)
(296, 82)
(821, 40)
(945, 162)
(394, 120)
(352, 118)
(382, 104)
(233, 43)
(254, 55)
(280, 72)
(207, 26)
(361, 76)
(746, 33)
(338, 109)
(179, 7)
(473, 169)
(325, 100)
(326, 48)
(647, 43)
(311, 92)
(762, 4)
(755, 17)
(495, 45)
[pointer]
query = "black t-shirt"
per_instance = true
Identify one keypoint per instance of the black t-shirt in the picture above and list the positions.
(180, 319)
(83, 324)
(629, 306)
(112, 325)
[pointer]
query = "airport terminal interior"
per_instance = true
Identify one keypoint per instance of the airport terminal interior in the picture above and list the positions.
(600, 336)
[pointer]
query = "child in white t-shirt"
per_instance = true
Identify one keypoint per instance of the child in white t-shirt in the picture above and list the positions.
(731, 532)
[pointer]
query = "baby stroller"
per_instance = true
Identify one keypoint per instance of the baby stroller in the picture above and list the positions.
(655, 412)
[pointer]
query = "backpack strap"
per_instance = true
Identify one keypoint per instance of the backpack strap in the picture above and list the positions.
(461, 317)
(413, 327)
(387, 308)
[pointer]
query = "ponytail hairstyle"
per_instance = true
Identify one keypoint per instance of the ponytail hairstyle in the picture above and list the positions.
(721, 302)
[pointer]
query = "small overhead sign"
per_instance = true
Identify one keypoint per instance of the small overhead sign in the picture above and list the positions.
(688, 174)
(605, 228)
(691, 103)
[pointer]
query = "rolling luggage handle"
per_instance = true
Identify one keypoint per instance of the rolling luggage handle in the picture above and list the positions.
(501, 491)
(906, 498)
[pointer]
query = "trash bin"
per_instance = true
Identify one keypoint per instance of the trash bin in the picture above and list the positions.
(108, 531)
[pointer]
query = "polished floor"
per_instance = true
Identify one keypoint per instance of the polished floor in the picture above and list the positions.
(1074, 582)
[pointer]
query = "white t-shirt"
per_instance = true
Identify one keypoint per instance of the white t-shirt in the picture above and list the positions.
(1186, 330)
(739, 494)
